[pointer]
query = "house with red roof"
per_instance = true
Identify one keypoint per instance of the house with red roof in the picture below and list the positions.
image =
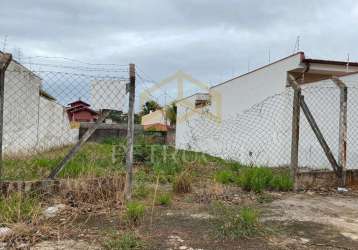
(80, 111)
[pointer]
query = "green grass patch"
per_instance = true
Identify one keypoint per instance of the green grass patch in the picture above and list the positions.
(258, 179)
(134, 213)
(233, 223)
(164, 199)
(128, 241)
(281, 182)
(225, 176)
(141, 191)
(18, 207)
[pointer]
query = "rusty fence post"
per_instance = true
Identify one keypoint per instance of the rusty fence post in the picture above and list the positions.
(130, 134)
(295, 132)
(5, 60)
(342, 153)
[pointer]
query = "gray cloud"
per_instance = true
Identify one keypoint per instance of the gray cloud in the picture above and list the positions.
(212, 40)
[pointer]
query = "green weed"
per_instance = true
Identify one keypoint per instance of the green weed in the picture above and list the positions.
(182, 183)
(19, 208)
(233, 223)
(141, 191)
(128, 241)
(164, 200)
(225, 177)
(134, 213)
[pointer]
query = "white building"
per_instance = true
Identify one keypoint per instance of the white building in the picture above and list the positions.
(109, 94)
(248, 118)
(155, 120)
(33, 120)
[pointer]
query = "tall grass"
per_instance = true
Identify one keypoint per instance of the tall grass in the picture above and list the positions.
(93, 159)
(258, 179)
(182, 183)
(18, 207)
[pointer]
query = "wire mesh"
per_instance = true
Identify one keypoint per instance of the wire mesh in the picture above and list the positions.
(47, 111)
(261, 135)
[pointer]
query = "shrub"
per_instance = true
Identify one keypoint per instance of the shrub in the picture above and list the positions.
(182, 183)
(256, 179)
(164, 199)
(18, 208)
(167, 168)
(225, 177)
(141, 191)
(128, 241)
(281, 182)
(134, 213)
(233, 224)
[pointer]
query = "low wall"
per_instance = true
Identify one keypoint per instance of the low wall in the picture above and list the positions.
(326, 179)
(106, 131)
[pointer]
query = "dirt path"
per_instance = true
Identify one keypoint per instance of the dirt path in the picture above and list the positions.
(298, 221)
(329, 221)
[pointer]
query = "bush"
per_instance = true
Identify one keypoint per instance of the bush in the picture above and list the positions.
(134, 213)
(164, 199)
(281, 182)
(141, 191)
(128, 241)
(18, 208)
(233, 224)
(255, 179)
(182, 183)
(259, 178)
(225, 177)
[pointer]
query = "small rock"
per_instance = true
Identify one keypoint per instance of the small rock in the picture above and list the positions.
(183, 247)
(304, 240)
(201, 216)
(53, 211)
(5, 232)
(342, 190)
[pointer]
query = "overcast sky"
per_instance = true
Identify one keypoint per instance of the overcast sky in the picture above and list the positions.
(211, 40)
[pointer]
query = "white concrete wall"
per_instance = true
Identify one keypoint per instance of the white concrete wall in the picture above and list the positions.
(256, 120)
(31, 122)
(54, 126)
(20, 109)
(245, 131)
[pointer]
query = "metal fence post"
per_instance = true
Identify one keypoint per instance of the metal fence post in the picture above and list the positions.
(5, 60)
(130, 134)
(342, 153)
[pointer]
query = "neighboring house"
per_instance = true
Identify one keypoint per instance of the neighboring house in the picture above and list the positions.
(33, 120)
(155, 121)
(238, 95)
(80, 111)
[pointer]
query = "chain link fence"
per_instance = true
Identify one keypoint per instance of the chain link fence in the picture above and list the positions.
(44, 108)
(262, 135)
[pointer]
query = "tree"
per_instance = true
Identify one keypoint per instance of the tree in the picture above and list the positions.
(149, 106)
(171, 113)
